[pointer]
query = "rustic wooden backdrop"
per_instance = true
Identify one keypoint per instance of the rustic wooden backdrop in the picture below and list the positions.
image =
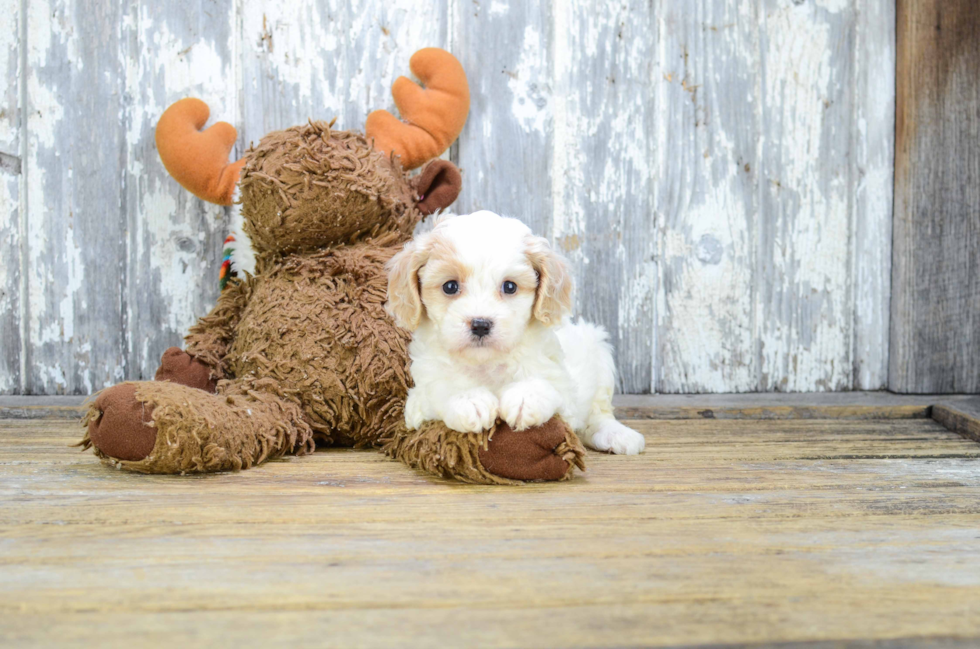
(719, 171)
(935, 328)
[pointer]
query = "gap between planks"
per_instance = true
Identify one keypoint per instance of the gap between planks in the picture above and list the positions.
(958, 412)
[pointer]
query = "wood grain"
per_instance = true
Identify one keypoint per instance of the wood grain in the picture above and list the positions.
(707, 195)
(719, 172)
(872, 178)
(962, 416)
(816, 405)
(174, 242)
(11, 212)
(935, 324)
(602, 172)
(326, 59)
(76, 223)
(505, 150)
(804, 316)
(722, 533)
(768, 215)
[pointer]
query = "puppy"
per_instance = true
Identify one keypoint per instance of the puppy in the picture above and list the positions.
(486, 299)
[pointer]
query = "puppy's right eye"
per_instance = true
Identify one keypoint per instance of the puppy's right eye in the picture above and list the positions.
(451, 287)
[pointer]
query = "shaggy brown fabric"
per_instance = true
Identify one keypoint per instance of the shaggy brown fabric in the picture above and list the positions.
(317, 324)
(208, 340)
(309, 187)
(248, 423)
(548, 452)
(177, 366)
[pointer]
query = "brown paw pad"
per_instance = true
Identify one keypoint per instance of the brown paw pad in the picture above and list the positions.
(177, 366)
(121, 429)
(530, 454)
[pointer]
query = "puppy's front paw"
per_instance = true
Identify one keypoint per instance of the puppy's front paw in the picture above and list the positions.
(471, 412)
(415, 412)
(529, 403)
(613, 437)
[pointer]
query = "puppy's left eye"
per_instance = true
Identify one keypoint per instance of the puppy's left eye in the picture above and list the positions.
(509, 287)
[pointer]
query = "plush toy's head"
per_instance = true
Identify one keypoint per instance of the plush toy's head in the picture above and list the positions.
(309, 187)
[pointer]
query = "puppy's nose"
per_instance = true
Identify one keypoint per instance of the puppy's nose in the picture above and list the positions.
(481, 327)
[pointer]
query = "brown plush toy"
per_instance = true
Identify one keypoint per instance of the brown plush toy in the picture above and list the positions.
(303, 351)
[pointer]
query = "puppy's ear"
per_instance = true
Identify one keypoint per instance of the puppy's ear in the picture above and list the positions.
(404, 299)
(553, 297)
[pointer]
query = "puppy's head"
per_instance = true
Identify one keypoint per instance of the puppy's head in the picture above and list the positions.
(479, 280)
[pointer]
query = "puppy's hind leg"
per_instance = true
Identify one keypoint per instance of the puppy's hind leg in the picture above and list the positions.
(607, 434)
(589, 360)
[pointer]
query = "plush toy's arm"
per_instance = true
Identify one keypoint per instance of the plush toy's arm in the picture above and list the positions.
(209, 340)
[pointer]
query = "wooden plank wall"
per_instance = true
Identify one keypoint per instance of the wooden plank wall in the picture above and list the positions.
(935, 328)
(11, 175)
(719, 172)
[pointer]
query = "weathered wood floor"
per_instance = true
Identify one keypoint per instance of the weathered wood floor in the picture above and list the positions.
(724, 532)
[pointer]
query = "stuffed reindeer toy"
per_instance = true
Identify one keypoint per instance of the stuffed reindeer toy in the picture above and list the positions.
(302, 352)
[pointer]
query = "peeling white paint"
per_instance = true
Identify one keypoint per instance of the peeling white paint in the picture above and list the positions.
(10, 216)
(566, 220)
(529, 83)
(696, 176)
(177, 269)
(299, 45)
(9, 285)
(707, 342)
(175, 240)
(601, 173)
(47, 287)
(834, 6)
(9, 63)
(809, 349)
(705, 196)
(76, 276)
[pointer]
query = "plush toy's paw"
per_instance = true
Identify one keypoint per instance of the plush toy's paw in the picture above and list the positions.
(119, 424)
(529, 403)
(545, 452)
(177, 366)
(614, 437)
(499, 455)
(472, 411)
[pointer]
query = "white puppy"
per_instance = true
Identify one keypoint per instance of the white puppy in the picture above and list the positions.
(485, 299)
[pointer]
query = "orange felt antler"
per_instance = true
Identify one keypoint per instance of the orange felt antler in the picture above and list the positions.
(198, 159)
(434, 117)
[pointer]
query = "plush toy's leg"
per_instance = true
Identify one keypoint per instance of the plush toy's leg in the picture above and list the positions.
(501, 456)
(162, 427)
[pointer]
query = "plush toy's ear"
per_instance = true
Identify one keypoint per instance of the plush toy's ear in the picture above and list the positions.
(437, 186)
(404, 297)
(553, 297)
